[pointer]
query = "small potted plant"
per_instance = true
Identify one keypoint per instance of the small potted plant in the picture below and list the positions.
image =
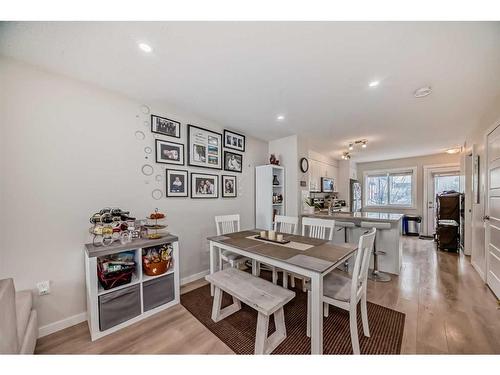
(309, 206)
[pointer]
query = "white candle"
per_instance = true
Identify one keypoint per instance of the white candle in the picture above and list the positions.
(279, 237)
(271, 234)
(263, 233)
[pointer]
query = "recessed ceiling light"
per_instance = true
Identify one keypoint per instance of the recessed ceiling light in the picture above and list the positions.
(145, 47)
(422, 92)
(280, 117)
(374, 83)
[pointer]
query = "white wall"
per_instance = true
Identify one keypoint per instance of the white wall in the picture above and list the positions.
(67, 150)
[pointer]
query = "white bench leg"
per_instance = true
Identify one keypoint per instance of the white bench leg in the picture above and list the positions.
(218, 313)
(292, 281)
(285, 280)
(275, 275)
(264, 344)
(325, 309)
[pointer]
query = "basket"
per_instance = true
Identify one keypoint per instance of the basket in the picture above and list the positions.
(111, 280)
(156, 268)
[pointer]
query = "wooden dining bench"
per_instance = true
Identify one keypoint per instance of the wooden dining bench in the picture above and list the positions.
(264, 296)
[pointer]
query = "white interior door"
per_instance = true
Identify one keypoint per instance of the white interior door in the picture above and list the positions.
(492, 217)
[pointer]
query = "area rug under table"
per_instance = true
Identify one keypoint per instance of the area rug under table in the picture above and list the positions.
(238, 330)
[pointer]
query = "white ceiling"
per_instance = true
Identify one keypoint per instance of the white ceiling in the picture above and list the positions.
(243, 74)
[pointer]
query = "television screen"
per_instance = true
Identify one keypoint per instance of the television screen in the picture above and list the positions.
(326, 185)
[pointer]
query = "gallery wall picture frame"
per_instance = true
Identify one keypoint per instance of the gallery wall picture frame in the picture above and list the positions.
(229, 186)
(169, 152)
(165, 126)
(177, 184)
(233, 162)
(204, 186)
(234, 140)
(204, 148)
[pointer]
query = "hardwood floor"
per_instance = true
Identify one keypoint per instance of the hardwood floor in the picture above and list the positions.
(448, 310)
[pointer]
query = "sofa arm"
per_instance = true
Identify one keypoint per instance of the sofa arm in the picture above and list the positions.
(8, 324)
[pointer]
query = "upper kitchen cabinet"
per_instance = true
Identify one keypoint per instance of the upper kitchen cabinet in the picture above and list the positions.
(318, 169)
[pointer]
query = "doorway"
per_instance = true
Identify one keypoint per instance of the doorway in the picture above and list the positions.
(437, 178)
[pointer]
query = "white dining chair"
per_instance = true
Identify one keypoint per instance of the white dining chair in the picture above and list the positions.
(345, 292)
(287, 225)
(229, 224)
(322, 229)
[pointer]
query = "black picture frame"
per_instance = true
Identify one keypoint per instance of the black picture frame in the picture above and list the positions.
(177, 123)
(159, 160)
(168, 184)
(228, 143)
(196, 131)
(223, 186)
(229, 168)
(193, 186)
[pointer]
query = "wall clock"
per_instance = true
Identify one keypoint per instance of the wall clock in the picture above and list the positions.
(304, 165)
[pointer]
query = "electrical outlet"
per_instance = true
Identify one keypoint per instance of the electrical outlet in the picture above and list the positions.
(43, 287)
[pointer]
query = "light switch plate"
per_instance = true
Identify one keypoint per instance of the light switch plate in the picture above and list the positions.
(43, 287)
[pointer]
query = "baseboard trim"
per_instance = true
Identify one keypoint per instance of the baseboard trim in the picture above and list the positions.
(78, 318)
(478, 270)
(196, 276)
(61, 324)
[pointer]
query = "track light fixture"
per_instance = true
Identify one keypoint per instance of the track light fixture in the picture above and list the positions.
(346, 156)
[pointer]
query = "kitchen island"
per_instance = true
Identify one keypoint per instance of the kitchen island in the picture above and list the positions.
(387, 240)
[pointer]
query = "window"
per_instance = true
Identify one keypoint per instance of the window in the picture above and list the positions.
(446, 183)
(390, 188)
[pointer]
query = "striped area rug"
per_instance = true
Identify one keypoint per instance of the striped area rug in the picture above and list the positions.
(238, 330)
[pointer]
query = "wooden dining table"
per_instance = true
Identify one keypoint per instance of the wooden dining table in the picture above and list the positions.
(309, 257)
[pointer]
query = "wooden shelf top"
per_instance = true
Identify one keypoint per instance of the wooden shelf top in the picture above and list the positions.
(97, 251)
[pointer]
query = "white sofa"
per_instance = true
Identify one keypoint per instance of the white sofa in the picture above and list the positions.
(18, 320)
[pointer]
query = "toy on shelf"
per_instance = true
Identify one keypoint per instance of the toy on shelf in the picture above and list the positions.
(154, 229)
(112, 224)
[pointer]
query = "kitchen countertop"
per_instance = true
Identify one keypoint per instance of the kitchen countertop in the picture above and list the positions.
(366, 216)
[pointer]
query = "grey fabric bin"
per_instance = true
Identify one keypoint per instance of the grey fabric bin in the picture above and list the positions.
(118, 307)
(158, 291)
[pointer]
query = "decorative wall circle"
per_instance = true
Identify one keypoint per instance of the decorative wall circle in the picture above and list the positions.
(145, 109)
(157, 194)
(140, 135)
(147, 170)
(148, 150)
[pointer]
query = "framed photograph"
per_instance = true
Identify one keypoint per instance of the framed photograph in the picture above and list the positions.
(169, 152)
(233, 162)
(229, 189)
(204, 185)
(234, 140)
(177, 183)
(204, 148)
(165, 126)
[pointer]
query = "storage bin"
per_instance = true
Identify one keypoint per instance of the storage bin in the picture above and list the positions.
(158, 291)
(119, 306)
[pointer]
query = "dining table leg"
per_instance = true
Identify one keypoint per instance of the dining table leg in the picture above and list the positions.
(213, 263)
(316, 314)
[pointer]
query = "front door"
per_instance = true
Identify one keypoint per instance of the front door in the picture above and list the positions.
(492, 217)
(441, 179)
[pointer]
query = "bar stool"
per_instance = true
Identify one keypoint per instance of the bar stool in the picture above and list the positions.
(375, 274)
(347, 226)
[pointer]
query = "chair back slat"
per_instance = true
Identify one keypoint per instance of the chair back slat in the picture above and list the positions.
(226, 224)
(286, 224)
(362, 262)
(318, 228)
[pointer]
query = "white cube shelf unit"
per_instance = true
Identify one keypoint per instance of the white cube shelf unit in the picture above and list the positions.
(113, 309)
(265, 208)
